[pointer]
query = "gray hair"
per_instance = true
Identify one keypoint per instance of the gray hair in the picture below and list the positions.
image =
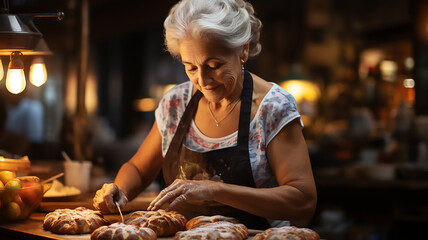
(230, 21)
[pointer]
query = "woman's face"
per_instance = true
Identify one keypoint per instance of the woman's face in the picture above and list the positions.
(214, 69)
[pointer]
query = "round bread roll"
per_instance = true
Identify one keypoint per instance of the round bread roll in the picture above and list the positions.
(162, 222)
(73, 221)
(215, 230)
(201, 220)
(288, 232)
(121, 231)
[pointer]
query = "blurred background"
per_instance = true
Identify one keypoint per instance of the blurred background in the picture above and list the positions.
(358, 70)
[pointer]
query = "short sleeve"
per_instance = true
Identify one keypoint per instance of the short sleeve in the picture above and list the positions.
(279, 109)
(169, 111)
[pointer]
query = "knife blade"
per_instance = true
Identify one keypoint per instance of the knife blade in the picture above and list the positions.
(120, 211)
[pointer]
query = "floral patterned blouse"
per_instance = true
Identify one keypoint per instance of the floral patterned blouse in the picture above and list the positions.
(277, 109)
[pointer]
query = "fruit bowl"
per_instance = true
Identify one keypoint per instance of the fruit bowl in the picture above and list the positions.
(19, 197)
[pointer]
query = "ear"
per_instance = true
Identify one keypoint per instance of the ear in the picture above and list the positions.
(245, 51)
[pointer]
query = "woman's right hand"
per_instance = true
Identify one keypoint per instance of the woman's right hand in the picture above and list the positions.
(105, 197)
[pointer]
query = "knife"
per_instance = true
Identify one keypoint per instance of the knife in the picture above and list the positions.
(118, 208)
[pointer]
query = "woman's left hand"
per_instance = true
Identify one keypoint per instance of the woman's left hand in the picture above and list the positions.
(184, 191)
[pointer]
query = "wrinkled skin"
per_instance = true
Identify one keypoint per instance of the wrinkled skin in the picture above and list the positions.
(184, 190)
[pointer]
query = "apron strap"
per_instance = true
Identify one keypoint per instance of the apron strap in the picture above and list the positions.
(245, 114)
(184, 124)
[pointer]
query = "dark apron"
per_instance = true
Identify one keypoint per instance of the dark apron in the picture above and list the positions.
(230, 165)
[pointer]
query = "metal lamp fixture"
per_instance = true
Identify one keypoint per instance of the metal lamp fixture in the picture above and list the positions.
(18, 37)
(15, 35)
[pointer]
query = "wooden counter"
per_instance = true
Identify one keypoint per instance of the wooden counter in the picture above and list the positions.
(141, 202)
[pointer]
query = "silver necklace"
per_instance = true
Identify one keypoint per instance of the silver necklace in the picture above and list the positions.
(218, 121)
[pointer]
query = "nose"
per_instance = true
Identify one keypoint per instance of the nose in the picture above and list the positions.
(204, 78)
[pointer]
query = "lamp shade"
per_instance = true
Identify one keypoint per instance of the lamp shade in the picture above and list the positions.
(15, 35)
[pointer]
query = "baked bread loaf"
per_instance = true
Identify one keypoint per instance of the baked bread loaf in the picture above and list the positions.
(162, 222)
(121, 231)
(216, 230)
(73, 221)
(288, 233)
(201, 220)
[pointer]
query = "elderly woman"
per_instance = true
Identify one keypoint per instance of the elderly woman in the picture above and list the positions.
(228, 142)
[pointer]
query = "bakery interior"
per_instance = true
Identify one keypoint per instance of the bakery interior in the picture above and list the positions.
(358, 70)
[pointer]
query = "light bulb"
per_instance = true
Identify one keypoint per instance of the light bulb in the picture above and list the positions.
(15, 79)
(1, 70)
(38, 74)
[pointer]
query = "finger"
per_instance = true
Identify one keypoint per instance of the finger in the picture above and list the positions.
(99, 203)
(123, 200)
(176, 184)
(162, 194)
(110, 191)
(168, 197)
(177, 201)
(103, 208)
(96, 202)
(159, 196)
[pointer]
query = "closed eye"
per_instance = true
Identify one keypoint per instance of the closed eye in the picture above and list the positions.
(216, 66)
(192, 69)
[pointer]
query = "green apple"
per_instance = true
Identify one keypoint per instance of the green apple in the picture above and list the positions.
(11, 189)
(6, 176)
(13, 184)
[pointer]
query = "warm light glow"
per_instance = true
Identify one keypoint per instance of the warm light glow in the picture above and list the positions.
(145, 105)
(388, 70)
(409, 63)
(409, 83)
(1, 70)
(369, 59)
(91, 96)
(15, 80)
(301, 89)
(158, 91)
(71, 91)
(38, 74)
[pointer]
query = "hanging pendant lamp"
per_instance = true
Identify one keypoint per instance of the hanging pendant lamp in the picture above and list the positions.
(18, 33)
(19, 36)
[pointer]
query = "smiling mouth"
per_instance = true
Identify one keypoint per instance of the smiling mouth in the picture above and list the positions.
(210, 88)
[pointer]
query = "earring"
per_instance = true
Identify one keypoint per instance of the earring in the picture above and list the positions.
(242, 70)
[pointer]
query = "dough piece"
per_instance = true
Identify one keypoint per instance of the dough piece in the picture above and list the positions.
(73, 221)
(162, 222)
(287, 233)
(121, 231)
(216, 230)
(201, 220)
